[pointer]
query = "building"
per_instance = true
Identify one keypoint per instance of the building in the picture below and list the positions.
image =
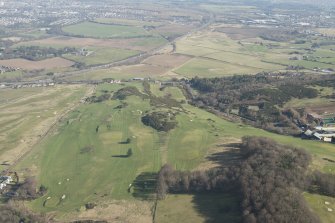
(4, 180)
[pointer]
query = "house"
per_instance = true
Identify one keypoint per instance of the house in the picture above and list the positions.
(327, 139)
(138, 79)
(115, 82)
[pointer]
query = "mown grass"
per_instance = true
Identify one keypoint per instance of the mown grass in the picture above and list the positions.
(96, 30)
(320, 207)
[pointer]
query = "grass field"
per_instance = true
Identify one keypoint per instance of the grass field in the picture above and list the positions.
(102, 173)
(102, 55)
(96, 30)
(232, 50)
(204, 67)
(26, 114)
(46, 64)
(128, 22)
(320, 204)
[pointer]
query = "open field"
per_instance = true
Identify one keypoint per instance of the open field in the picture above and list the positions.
(63, 164)
(167, 60)
(96, 30)
(198, 208)
(228, 50)
(320, 204)
(141, 44)
(128, 22)
(327, 32)
(101, 55)
(213, 68)
(46, 64)
(27, 114)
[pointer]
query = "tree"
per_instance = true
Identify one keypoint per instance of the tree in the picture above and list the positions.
(129, 152)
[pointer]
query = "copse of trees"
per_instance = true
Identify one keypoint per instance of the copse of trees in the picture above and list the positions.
(322, 183)
(270, 178)
(161, 121)
(99, 99)
(35, 52)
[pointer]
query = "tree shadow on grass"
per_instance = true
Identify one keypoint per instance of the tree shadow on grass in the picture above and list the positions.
(231, 156)
(218, 207)
(144, 186)
(120, 156)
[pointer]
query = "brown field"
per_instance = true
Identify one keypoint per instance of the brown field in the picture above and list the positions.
(167, 60)
(327, 32)
(56, 62)
(83, 42)
(323, 109)
(117, 211)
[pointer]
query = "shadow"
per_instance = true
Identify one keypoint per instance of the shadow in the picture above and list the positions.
(231, 155)
(329, 160)
(144, 186)
(218, 207)
(120, 156)
(5, 164)
(124, 143)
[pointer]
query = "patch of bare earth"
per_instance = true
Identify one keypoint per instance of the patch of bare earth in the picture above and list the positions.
(119, 212)
(323, 109)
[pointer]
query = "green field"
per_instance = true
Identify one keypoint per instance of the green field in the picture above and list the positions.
(26, 114)
(101, 55)
(96, 30)
(103, 173)
(219, 54)
(129, 22)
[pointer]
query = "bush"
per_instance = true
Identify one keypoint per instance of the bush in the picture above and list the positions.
(161, 121)
(129, 152)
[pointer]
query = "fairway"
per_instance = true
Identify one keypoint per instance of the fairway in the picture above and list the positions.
(97, 30)
(26, 115)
